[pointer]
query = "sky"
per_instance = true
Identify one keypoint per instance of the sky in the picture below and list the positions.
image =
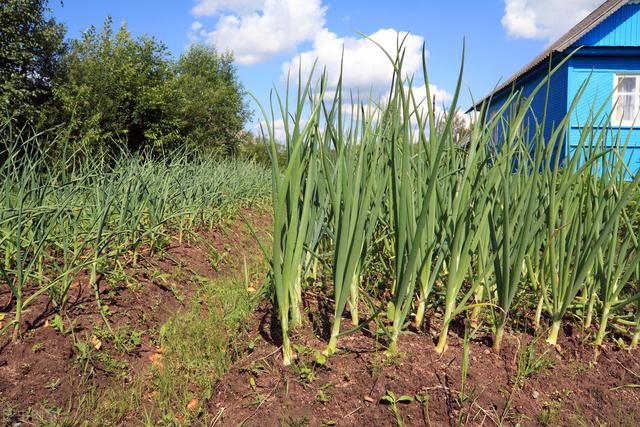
(270, 37)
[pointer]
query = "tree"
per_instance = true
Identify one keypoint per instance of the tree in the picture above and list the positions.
(111, 88)
(254, 146)
(30, 50)
(117, 88)
(212, 107)
(460, 126)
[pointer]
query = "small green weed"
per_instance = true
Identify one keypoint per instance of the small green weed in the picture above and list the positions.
(549, 414)
(551, 411)
(307, 364)
(124, 339)
(423, 399)
(53, 384)
(529, 363)
(322, 395)
(57, 323)
(394, 401)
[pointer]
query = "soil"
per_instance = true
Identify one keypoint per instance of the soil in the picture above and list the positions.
(42, 368)
(576, 388)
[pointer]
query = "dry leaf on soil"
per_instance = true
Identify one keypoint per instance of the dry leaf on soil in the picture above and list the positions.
(95, 342)
(156, 360)
(193, 405)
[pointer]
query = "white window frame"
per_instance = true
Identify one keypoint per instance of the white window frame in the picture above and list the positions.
(616, 94)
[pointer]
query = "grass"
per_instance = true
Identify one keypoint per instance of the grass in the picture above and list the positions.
(394, 402)
(530, 362)
(198, 347)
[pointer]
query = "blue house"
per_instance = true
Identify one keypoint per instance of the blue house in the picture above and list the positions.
(602, 59)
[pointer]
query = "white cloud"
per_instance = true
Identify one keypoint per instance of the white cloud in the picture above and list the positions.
(278, 127)
(544, 19)
(365, 68)
(441, 96)
(256, 30)
(194, 31)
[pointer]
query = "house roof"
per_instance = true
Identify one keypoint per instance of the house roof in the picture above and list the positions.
(605, 10)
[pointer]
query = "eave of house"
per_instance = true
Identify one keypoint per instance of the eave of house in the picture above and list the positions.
(563, 45)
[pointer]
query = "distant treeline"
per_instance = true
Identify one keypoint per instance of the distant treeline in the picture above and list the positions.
(107, 88)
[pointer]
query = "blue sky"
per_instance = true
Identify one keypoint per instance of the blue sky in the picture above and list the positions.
(266, 35)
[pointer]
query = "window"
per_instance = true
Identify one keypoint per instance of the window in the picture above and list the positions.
(626, 99)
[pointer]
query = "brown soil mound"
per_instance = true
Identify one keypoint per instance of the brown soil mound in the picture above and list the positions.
(568, 387)
(527, 382)
(43, 369)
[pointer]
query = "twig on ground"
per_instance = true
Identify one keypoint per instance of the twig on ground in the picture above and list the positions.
(260, 404)
(354, 411)
(263, 357)
(217, 417)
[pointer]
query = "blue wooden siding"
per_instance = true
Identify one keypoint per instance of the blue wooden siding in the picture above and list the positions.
(598, 72)
(620, 29)
(556, 103)
(611, 47)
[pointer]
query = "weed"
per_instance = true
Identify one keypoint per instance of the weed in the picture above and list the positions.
(252, 384)
(216, 257)
(551, 411)
(549, 415)
(57, 323)
(423, 399)
(322, 395)
(198, 350)
(124, 339)
(382, 360)
(84, 356)
(578, 419)
(306, 374)
(307, 364)
(530, 363)
(8, 415)
(53, 384)
(580, 367)
(258, 367)
(299, 421)
(251, 344)
(168, 281)
(116, 277)
(393, 401)
(258, 398)
(111, 365)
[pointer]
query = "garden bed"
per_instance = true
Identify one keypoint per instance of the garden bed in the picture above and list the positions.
(527, 382)
(71, 368)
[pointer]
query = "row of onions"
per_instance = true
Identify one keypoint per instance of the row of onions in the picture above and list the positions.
(68, 216)
(470, 226)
